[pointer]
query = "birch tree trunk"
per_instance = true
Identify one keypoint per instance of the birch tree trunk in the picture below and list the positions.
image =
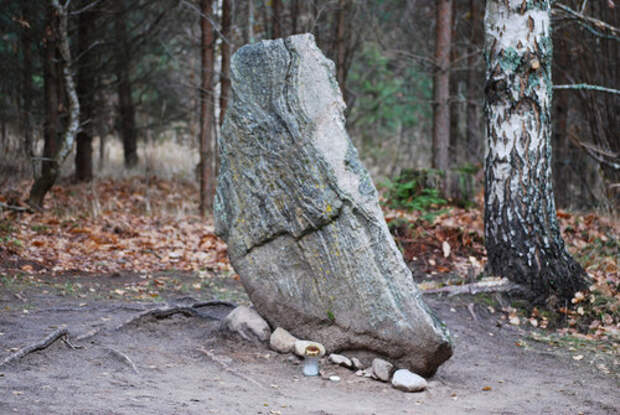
(523, 239)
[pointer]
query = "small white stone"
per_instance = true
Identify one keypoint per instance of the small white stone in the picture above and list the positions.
(300, 347)
(282, 341)
(408, 381)
(382, 369)
(357, 364)
(340, 360)
(334, 378)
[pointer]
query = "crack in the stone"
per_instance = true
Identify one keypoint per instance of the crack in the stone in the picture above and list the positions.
(309, 230)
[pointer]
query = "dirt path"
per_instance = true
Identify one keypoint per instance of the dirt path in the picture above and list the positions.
(183, 365)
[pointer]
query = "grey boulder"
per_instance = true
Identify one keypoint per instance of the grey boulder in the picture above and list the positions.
(407, 381)
(247, 323)
(301, 215)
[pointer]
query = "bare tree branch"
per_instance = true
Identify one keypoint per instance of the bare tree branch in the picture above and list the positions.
(599, 24)
(588, 86)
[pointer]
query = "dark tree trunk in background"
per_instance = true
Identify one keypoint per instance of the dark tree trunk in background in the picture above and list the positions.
(276, 18)
(314, 27)
(522, 235)
(126, 108)
(226, 50)
(207, 177)
(52, 84)
(456, 155)
(441, 86)
(250, 23)
(86, 93)
(294, 16)
(26, 41)
(474, 137)
(341, 47)
(562, 170)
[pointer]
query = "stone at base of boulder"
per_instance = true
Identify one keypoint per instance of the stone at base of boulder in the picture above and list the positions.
(357, 364)
(340, 360)
(282, 341)
(246, 322)
(382, 369)
(300, 347)
(407, 381)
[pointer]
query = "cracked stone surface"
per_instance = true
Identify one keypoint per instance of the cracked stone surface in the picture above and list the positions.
(301, 215)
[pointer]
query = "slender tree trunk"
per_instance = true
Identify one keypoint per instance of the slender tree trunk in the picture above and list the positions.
(51, 80)
(562, 168)
(86, 93)
(250, 22)
(27, 85)
(276, 18)
(294, 16)
(126, 108)
(56, 150)
(207, 179)
(523, 239)
(102, 132)
(341, 46)
(441, 86)
(473, 85)
(226, 49)
(315, 28)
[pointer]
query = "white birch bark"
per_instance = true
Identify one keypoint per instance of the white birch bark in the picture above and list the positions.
(522, 235)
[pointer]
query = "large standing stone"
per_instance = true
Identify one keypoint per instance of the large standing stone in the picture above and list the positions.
(301, 215)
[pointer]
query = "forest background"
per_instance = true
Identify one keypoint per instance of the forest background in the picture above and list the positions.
(152, 82)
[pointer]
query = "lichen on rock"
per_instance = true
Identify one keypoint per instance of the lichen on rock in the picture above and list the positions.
(301, 216)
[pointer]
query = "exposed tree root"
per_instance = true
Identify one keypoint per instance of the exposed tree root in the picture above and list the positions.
(478, 287)
(165, 312)
(227, 368)
(40, 345)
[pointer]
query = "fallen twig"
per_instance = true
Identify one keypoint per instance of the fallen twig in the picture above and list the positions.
(40, 345)
(502, 285)
(123, 358)
(16, 208)
(227, 368)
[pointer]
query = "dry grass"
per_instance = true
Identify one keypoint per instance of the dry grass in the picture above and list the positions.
(164, 158)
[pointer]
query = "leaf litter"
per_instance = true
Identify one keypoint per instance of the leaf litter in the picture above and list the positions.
(150, 224)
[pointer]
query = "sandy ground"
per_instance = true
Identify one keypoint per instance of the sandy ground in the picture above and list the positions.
(185, 365)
